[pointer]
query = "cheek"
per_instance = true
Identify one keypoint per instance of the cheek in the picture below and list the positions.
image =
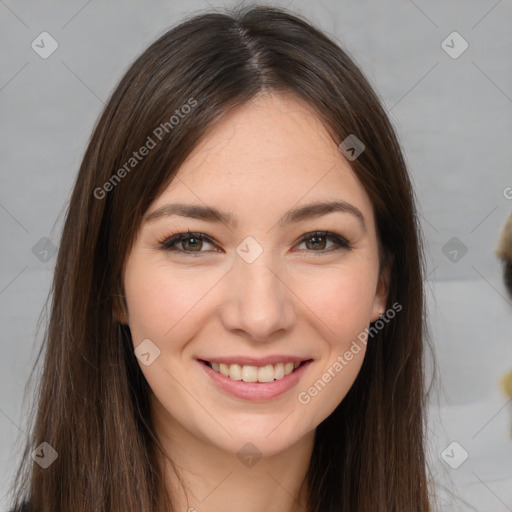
(340, 299)
(159, 300)
(341, 303)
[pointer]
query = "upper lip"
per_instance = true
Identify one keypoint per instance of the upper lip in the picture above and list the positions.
(256, 361)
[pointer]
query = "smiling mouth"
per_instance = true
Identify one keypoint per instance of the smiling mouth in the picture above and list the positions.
(249, 373)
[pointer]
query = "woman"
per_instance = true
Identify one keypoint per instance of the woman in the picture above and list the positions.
(237, 316)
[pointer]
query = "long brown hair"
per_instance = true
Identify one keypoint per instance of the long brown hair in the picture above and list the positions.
(92, 401)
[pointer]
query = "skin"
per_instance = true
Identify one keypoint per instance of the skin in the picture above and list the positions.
(297, 298)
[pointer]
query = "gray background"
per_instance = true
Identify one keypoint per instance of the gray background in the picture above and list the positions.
(453, 116)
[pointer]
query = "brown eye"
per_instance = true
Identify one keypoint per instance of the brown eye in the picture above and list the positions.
(186, 243)
(193, 243)
(317, 241)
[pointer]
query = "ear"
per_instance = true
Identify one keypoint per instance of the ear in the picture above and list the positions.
(381, 293)
(119, 312)
(119, 308)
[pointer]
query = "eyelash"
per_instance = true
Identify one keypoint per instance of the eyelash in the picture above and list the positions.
(168, 244)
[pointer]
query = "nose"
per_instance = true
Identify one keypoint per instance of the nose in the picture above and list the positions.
(258, 303)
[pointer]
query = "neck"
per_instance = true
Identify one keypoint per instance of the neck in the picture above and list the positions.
(210, 479)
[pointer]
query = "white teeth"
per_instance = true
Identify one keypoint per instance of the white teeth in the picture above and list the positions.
(249, 373)
(266, 373)
(235, 372)
(278, 371)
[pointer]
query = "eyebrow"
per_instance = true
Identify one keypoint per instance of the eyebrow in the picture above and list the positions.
(295, 215)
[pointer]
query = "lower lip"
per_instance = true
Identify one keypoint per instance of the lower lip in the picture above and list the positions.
(256, 391)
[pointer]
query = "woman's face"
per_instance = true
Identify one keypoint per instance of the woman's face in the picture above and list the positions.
(244, 290)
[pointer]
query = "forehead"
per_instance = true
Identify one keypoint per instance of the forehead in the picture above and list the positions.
(273, 152)
(270, 128)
